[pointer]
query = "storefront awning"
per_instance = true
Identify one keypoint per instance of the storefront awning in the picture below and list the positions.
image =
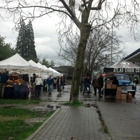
(123, 67)
(122, 70)
(134, 57)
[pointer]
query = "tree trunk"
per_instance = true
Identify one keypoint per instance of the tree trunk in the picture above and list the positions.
(84, 35)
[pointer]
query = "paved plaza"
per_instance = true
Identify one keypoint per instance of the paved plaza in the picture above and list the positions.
(85, 123)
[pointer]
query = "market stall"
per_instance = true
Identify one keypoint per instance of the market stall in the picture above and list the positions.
(16, 87)
(122, 70)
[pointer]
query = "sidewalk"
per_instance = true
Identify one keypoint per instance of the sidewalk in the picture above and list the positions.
(122, 117)
(81, 123)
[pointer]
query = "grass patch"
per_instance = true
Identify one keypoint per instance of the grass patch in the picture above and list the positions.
(18, 101)
(17, 128)
(74, 103)
(18, 112)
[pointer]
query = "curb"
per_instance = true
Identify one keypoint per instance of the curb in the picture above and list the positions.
(34, 133)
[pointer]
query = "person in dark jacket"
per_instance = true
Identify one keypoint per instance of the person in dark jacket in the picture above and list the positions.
(99, 84)
(59, 84)
(3, 81)
(50, 83)
(93, 84)
(34, 90)
(86, 84)
(115, 81)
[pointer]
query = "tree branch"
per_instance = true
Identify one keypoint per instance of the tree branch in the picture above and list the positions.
(99, 7)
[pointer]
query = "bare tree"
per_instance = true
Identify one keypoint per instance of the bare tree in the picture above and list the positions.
(86, 16)
(98, 49)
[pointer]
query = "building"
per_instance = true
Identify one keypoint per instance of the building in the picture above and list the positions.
(67, 71)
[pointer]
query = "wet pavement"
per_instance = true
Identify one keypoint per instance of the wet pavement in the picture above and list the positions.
(83, 123)
(122, 117)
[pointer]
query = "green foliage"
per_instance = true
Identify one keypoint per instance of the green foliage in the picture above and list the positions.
(17, 112)
(25, 43)
(17, 128)
(74, 103)
(47, 63)
(52, 63)
(5, 49)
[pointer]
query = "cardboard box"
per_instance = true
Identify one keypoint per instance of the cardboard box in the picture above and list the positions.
(124, 96)
(108, 86)
(119, 88)
(108, 82)
(118, 95)
(129, 96)
(113, 86)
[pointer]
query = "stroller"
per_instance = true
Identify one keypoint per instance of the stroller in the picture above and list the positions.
(86, 89)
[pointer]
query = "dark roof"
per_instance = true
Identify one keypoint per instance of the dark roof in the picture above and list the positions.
(134, 57)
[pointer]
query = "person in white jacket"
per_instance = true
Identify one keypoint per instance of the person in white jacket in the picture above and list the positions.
(38, 84)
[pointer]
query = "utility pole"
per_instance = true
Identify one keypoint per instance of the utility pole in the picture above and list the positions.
(112, 42)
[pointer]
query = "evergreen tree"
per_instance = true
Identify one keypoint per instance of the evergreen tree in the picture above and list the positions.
(25, 43)
(47, 63)
(31, 52)
(21, 40)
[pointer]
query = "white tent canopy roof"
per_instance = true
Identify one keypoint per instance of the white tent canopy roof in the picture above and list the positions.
(16, 62)
(55, 73)
(43, 67)
(35, 65)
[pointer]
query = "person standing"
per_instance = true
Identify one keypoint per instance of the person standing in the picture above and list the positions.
(55, 83)
(38, 83)
(93, 84)
(99, 84)
(3, 81)
(63, 82)
(34, 92)
(50, 83)
(59, 84)
(115, 81)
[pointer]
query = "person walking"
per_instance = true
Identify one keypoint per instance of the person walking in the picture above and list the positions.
(55, 83)
(50, 83)
(38, 83)
(86, 84)
(93, 84)
(63, 82)
(99, 84)
(34, 92)
(59, 84)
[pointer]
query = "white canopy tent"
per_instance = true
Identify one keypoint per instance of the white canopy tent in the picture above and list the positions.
(35, 65)
(16, 62)
(43, 67)
(45, 74)
(45, 71)
(55, 73)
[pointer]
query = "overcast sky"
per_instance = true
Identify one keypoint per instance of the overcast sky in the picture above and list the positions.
(46, 38)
